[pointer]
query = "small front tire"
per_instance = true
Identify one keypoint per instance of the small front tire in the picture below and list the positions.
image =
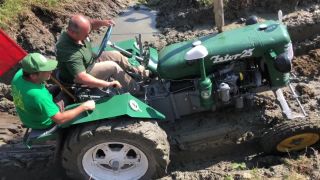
(291, 135)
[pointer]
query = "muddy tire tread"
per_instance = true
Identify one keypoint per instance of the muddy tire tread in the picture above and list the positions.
(285, 129)
(148, 130)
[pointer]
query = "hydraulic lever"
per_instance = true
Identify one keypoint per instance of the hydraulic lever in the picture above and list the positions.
(125, 52)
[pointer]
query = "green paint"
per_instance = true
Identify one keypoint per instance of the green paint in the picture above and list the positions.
(153, 62)
(247, 41)
(132, 47)
(108, 108)
(205, 87)
(116, 106)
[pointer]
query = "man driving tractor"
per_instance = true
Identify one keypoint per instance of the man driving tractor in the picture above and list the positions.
(79, 64)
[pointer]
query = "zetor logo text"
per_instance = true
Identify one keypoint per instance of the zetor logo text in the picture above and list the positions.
(227, 57)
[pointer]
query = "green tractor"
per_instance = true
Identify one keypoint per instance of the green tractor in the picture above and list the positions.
(123, 138)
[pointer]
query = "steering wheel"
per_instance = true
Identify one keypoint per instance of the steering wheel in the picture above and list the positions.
(104, 42)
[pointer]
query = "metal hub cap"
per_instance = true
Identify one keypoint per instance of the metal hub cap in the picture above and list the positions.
(115, 160)
(298, 142)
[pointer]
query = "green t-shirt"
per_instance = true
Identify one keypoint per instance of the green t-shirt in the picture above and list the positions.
(34, 103)
(72, 58)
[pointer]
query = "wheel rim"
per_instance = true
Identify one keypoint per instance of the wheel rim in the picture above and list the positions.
(297, 142)
(115, 160)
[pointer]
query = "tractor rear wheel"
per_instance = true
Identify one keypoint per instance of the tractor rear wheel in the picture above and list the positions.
(291, 135)
(116, 150)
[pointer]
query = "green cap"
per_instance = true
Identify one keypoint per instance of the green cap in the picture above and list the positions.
(35, 62)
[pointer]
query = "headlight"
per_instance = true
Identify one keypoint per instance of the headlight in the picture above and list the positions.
(283, 61)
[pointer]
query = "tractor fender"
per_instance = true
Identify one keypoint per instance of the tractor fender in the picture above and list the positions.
(116, 106)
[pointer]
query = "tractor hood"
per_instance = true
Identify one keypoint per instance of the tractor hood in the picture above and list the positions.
(249, 41)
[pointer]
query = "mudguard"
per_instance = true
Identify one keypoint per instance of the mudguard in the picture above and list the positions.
(107, 108)
(116, 106)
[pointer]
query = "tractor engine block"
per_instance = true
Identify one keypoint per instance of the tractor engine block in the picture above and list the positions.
(233, 85)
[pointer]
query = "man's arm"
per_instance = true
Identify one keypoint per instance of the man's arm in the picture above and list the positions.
(97, 23)
(63, 117)
(91, 81)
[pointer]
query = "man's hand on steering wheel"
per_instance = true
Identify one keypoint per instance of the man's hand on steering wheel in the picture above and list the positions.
(115, 84)
(104, 42)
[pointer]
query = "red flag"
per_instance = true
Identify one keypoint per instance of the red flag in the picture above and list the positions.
(10, 53)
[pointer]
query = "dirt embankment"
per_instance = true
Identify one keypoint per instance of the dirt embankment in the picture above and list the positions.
(37, 30)
(180, 21)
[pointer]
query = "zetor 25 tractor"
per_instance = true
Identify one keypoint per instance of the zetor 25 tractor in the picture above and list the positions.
(123, 138)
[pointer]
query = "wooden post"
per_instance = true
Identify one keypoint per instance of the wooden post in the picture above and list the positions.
(218, 14)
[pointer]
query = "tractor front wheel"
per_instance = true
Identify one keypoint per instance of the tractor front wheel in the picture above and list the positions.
(116, 150)
(291, 135)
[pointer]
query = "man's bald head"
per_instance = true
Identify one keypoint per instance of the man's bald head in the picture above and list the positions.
(79, 27)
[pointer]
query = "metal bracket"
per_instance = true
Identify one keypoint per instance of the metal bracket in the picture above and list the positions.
(286, 110)
(296, 97)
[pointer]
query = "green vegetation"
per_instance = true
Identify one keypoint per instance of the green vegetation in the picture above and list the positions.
(256, 174)
(238, 166)
(228, 177)
(206, 2)
(9, 9)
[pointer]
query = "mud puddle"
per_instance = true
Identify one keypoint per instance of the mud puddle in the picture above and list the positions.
(133, 21)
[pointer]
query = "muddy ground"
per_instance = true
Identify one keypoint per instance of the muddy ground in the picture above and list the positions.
(179, 20)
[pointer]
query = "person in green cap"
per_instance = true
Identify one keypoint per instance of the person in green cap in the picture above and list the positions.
(33, 101)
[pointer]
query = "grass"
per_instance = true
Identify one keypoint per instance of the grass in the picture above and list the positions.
(256, 174)
(10, 9)
(206, 2)
(228, 177)
(238, 166)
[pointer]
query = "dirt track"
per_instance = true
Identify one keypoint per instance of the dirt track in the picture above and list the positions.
(181, 24)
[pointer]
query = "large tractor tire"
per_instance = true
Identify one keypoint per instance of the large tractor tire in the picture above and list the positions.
(291, 135)
(116, 150)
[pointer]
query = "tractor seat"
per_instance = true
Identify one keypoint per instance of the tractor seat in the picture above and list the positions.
(33, 135)
(82, 92)
(67, 85)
